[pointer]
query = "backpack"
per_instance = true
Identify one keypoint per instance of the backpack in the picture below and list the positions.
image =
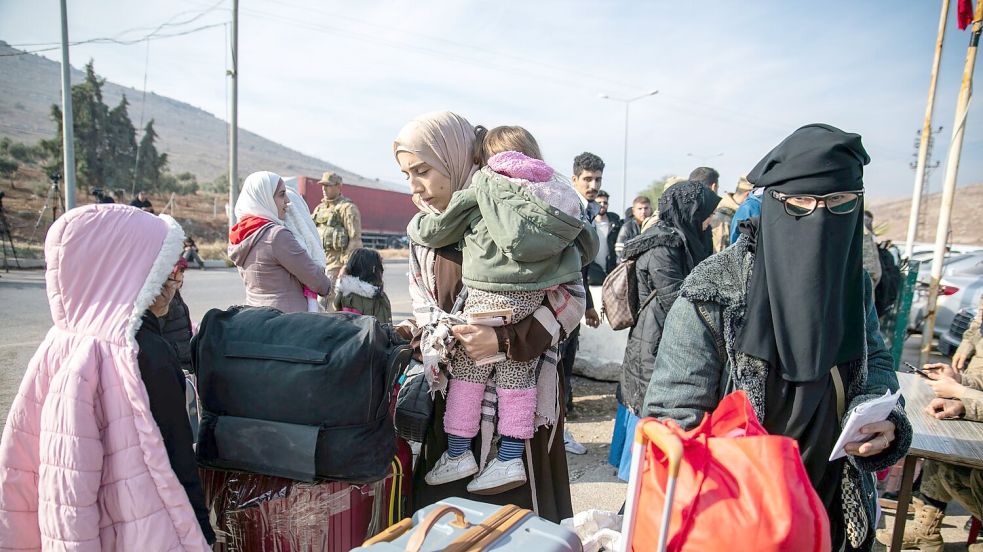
(889, 287)
(302, 395)
(619, 296)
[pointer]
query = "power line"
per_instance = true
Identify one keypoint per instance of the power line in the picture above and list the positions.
(149, 37)
(119, 36)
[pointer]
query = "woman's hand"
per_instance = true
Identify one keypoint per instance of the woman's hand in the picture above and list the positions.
(946, 388)
(882, 435)
(944, 409)
(478, 341)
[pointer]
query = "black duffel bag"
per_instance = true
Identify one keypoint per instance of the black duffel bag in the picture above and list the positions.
(302, 395)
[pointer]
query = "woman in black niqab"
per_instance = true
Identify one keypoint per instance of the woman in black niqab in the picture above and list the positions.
(685, 207)
(805, 301)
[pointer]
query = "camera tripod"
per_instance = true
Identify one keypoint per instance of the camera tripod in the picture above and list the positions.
(6, 238)
(53, 191)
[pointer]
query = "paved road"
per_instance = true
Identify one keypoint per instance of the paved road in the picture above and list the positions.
(25, 318)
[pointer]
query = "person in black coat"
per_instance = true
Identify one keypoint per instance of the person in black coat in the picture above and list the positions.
(176, 329)
(664, 254)
(161, 372)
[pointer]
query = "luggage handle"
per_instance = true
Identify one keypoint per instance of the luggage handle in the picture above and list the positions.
(416, 541)
(650, 429)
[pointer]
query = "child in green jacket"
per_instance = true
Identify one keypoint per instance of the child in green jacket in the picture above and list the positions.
(521, 234)
(359, 290)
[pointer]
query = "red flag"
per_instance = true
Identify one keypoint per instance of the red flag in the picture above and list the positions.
(964, 13)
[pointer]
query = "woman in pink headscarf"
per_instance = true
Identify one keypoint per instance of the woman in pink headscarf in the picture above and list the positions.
(88, 456)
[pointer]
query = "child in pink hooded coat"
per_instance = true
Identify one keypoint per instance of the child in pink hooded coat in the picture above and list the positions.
(83, 463)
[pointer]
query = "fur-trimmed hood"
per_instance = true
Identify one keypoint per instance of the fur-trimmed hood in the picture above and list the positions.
(351, 285)
(652, 237)
(106, 265)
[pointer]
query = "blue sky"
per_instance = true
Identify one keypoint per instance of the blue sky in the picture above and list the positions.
(338, 79)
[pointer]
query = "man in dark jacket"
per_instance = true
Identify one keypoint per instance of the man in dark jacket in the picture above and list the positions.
(641, 209)
(164, 380)
(607, 225)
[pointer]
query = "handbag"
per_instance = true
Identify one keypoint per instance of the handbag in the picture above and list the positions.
(724, 485)
(414, 405)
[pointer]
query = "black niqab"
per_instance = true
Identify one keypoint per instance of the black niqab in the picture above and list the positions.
(684, 207)
(805, 309)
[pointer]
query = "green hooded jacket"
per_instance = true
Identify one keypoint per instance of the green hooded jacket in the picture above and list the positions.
(512, 240)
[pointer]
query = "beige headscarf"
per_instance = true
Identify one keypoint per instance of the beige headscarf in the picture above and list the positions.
(443, 140)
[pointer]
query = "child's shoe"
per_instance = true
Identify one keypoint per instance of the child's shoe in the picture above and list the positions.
(499, 477)
(450, 469)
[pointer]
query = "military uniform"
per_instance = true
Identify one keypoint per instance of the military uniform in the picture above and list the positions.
(340, 227)
(972, 343)
(946, 482)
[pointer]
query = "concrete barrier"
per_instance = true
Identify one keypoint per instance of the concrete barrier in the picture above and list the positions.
(601, 349)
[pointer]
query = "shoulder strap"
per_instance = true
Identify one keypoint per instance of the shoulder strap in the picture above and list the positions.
(840, 394)
(718, 336)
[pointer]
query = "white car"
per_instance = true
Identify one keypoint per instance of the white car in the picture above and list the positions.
(960, 288)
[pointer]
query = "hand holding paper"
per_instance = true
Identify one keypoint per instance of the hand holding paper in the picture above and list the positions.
(871, 413)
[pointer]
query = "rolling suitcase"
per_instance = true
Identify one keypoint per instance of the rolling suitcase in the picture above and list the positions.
(263, 513)
(394, 505)
(458, 524)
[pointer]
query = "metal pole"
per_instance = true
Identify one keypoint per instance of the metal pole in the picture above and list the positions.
(916, 197)
(68, 140)
(949, 187)
(234, 117)
(624, 181)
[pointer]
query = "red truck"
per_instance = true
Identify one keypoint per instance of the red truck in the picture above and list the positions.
(385, 213)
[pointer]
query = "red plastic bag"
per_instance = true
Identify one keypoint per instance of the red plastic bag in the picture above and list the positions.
(738, 489)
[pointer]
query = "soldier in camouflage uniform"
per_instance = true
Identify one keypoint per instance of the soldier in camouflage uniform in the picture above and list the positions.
(339, 225)
(941, 482)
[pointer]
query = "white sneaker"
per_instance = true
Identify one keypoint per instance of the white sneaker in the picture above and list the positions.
(450, 469)
(499, 477)
(571, 444)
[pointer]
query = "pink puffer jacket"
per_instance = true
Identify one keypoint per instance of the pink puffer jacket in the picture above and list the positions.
(82, 463)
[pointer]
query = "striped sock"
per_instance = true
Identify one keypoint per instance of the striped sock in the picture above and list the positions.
(510, 448)
(457, 445)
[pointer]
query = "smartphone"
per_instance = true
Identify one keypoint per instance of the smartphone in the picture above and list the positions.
(914, 370)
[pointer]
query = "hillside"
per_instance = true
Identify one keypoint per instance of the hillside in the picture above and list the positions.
(967, 214)
(194, 140)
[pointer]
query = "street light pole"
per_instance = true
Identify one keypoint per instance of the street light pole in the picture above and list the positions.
(624, 181)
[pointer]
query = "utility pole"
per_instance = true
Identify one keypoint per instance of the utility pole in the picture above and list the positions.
(234, 117)
(916, 196)
(67, 120)
(949, 187)
(929, 166)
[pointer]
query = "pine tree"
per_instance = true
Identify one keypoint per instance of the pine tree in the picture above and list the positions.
(150, 164)
(122, 148)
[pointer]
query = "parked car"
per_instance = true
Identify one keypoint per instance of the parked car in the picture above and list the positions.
(949, 341)
(960, 287)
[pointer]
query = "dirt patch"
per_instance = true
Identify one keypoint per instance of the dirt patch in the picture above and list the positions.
(593, 482)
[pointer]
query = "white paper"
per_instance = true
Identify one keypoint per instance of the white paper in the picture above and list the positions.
(870, 412)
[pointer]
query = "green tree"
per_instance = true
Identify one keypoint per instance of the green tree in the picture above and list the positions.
(8, 168)
(151, 165)
(104, 140)
(90, 124)
(121, 145)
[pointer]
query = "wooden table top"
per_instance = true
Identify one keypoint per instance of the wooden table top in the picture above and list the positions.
(952, 441)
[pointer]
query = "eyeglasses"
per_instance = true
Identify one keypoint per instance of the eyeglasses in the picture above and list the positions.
(837, 203)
